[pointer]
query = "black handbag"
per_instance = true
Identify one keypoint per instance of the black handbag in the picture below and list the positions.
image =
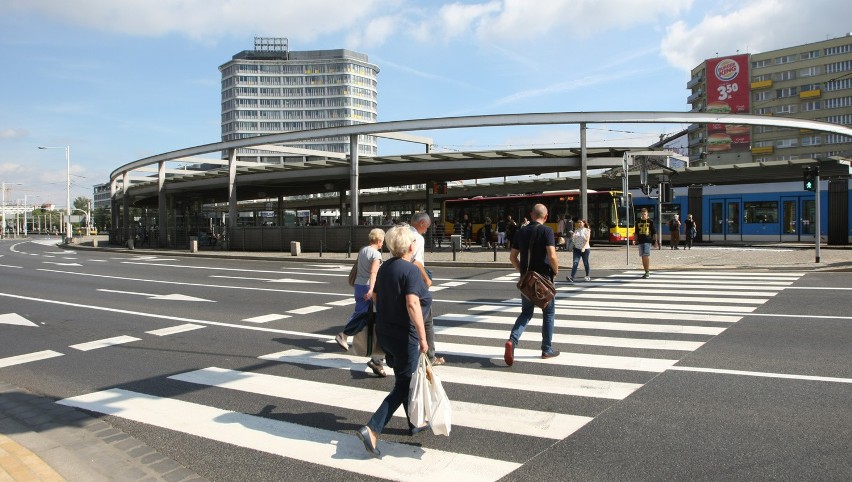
(534, 286)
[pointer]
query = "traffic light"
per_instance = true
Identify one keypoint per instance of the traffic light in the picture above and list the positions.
(809, 177)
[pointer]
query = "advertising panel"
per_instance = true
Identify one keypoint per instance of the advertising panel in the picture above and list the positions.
(728, 92)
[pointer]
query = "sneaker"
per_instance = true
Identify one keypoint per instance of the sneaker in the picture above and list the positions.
(588, 278)
(377, 368)
(552, 353)
(341, 340)
(647, 274)
(509, 353)
(569, 279)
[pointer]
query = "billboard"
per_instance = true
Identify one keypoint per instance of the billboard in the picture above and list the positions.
(728, 92)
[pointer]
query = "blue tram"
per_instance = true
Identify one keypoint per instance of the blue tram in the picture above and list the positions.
(763, 212)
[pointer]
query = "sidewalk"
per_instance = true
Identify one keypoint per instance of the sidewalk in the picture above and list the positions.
(41, 440)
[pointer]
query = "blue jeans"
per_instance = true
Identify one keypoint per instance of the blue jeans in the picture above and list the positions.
(527, 309)
(577, 255)
(402, 355)
(357, 321)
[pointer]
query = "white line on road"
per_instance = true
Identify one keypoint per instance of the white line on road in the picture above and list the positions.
(266, 318)
(322, 447)
(588, 325)
(762, 374)
(152, 296)
(94, 345)
(27, 358)
(513, 306)
(174, 329)
(309, 309)
(499, 378)
(475, 415)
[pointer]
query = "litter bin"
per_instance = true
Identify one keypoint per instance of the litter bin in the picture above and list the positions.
(193, 244)
(455, 240)
(295, 248)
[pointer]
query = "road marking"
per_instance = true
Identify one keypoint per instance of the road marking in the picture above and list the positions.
(15, 319)
(683, 290)
(500, 378)
(640, 343)
(269, 280)
(588, 325)
(174, 329)
(10, 266)
(513, 306)
(309, 309)
(106, 342)
(62, 264)
(346, 302)
(673, 300)
(29, 357)
(323, 447)
(654, 306)
(266, 318)
(565, 359)
(762, 374)
(657, 278)
(152, 296)
(475, 415)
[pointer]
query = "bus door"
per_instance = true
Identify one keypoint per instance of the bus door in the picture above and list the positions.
(725, 220)
(798, 218)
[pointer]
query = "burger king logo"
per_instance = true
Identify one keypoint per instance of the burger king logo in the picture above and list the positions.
(727, 70)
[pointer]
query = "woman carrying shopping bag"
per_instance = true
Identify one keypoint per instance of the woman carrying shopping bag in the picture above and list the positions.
(401, 298)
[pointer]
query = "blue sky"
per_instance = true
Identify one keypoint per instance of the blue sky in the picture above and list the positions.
(123, 80)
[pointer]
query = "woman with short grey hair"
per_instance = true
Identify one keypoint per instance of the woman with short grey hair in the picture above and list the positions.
(401, 298)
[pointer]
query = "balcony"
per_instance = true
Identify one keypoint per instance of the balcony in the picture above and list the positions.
(810, 94)
(761, 84)
(695, 80)
(692, 98)
(757, 151)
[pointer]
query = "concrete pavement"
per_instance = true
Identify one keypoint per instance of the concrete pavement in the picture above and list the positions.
(44, 441)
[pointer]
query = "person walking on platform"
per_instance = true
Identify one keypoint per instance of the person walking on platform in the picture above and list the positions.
(645, 237)
(674, 232)
(690, 231)
(534, 248)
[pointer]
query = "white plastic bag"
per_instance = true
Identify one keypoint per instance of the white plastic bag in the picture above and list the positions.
(419, 400)
(427, 401)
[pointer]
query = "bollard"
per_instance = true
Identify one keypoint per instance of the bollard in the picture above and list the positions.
(295, 248)
(193, 244)
(130, 243)
(320, 253)
(94, 242)
(454, 251)
(495, 252)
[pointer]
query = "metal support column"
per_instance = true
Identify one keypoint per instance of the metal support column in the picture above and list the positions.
(817, 217)
(584, 180)
(125, 192)
(162, 217)
(353, 178)
(232, 191)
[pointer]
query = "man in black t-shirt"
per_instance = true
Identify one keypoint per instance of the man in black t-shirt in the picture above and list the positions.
(645, 237)
(534, 248)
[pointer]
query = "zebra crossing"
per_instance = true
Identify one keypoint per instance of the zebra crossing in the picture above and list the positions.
(615, 334)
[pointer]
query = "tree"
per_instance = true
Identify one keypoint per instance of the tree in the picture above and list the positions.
(82, 203)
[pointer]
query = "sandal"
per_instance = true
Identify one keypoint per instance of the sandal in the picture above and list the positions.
(438, 360)
(378, 370)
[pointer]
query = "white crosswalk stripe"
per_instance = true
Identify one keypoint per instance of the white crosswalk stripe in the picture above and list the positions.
(615, 334)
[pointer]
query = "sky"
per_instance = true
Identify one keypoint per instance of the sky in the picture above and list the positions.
(119, 81)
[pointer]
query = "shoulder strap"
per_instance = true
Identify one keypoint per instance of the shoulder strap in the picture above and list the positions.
(533, 238)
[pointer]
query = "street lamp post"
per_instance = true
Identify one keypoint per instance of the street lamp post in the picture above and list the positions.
(68, 233)
(3, 218)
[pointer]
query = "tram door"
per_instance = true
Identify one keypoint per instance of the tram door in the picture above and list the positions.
(725, 219)
(798, 218)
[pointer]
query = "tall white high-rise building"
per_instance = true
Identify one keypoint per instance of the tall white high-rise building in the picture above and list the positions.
(271, 89)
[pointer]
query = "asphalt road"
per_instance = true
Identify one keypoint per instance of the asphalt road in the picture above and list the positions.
(229, 367)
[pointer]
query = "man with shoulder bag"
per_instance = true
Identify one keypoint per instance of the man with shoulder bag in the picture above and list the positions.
(533, 248)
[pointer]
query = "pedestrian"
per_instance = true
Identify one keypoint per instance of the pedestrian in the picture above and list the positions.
(420, 222)
(487, 229)
(466, 230)
(525, 221)
(674, 232)
(645, 237)
(580, 241)
(691, 228)
(368, 262)
(533, 248)
(511, 230)
(501, 232)
(401, 298)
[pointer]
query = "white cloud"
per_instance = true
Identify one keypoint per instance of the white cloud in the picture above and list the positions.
(13, 133)
(756, 26)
